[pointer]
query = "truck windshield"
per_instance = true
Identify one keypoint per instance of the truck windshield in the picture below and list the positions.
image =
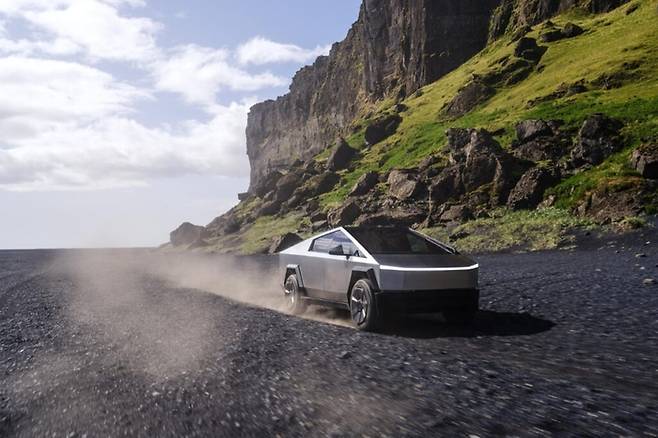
(394, 241)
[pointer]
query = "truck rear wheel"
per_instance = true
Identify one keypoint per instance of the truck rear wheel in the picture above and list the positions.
(294, 301)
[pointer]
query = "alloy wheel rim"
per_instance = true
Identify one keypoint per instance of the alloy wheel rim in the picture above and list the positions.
(290, 293)
(359, 306)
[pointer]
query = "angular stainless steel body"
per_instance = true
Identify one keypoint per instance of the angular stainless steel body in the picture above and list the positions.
(327, 278)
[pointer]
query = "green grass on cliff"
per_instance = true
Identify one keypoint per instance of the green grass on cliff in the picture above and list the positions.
(610, 44)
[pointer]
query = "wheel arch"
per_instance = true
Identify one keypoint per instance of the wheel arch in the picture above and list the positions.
(294, 269)
(358, 274)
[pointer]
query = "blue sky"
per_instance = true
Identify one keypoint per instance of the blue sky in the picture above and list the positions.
(119, 119)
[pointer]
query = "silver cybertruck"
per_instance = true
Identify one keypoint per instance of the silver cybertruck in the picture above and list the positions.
(368, 270)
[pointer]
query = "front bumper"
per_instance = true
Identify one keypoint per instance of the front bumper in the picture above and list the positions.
(428, 301)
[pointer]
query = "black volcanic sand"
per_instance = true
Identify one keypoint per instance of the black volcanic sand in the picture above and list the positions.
(566, 345)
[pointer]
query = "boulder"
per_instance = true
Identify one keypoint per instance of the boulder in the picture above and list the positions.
(284, 242)
(322, 183)
(645, 160)
(393, 216)
(479, 160)
(382, 128)
(540, 140)
(544, 149)
(186, 234)
(311, 205)
(286, 186)
(269, 208)
(551, 35)
(267, 184)
(402, 184)
(318, 216)
(232, 225)
(228, 223)
(572, 30)
(456, 213)
(530, 129)
(345, 214)
(478, 152)
(446, 185)
(468, 97)
(364, 184)
(598, 138)
(529, 191)
(527, 48)
(243, 196)
(341, 156)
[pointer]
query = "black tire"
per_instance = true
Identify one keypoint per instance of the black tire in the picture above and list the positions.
(364, 308)
(295, 303)
(460, 316)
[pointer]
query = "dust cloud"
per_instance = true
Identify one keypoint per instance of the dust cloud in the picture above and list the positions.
(139, 302)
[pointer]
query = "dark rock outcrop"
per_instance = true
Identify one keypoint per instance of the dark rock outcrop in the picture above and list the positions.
(468, 97)
(284, 242)
(529, 191)
(345, 214)
(286, 186)
(403, 184)
(364, 184)
(186, 234)
(645, 160)
(570, 30)
(541, 140)
(598, 138)
(512, 15)
(341, 156)
(393, 49)
(267, 184)
(527, 48)
(382, 128)
(456, 213)
(477, 161)
(407, 216)
(530, 129)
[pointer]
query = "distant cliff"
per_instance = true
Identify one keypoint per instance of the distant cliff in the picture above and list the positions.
(394, 48)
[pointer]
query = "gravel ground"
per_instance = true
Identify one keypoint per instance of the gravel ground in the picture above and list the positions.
(103, 344)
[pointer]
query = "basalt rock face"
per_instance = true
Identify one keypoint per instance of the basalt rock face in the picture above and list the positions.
(393, 49)
(512, 15)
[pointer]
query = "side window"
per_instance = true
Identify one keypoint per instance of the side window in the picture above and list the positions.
(330, 241)
(324, 244)
(341, 239)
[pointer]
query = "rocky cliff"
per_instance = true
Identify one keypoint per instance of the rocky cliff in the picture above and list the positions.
(394, 48)
(521, 122)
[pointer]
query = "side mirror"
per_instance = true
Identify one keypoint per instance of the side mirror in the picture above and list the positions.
(338, 251)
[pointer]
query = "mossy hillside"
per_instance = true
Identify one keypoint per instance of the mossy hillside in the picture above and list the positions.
(533, 230)
(611, 43)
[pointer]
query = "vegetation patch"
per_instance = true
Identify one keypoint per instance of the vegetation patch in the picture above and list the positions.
(526, 230)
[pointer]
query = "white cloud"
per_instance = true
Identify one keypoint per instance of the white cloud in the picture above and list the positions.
(199, 73)
(24, 47)
(68, 125)
(259, 50)
(54, 91)
(93, 27)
